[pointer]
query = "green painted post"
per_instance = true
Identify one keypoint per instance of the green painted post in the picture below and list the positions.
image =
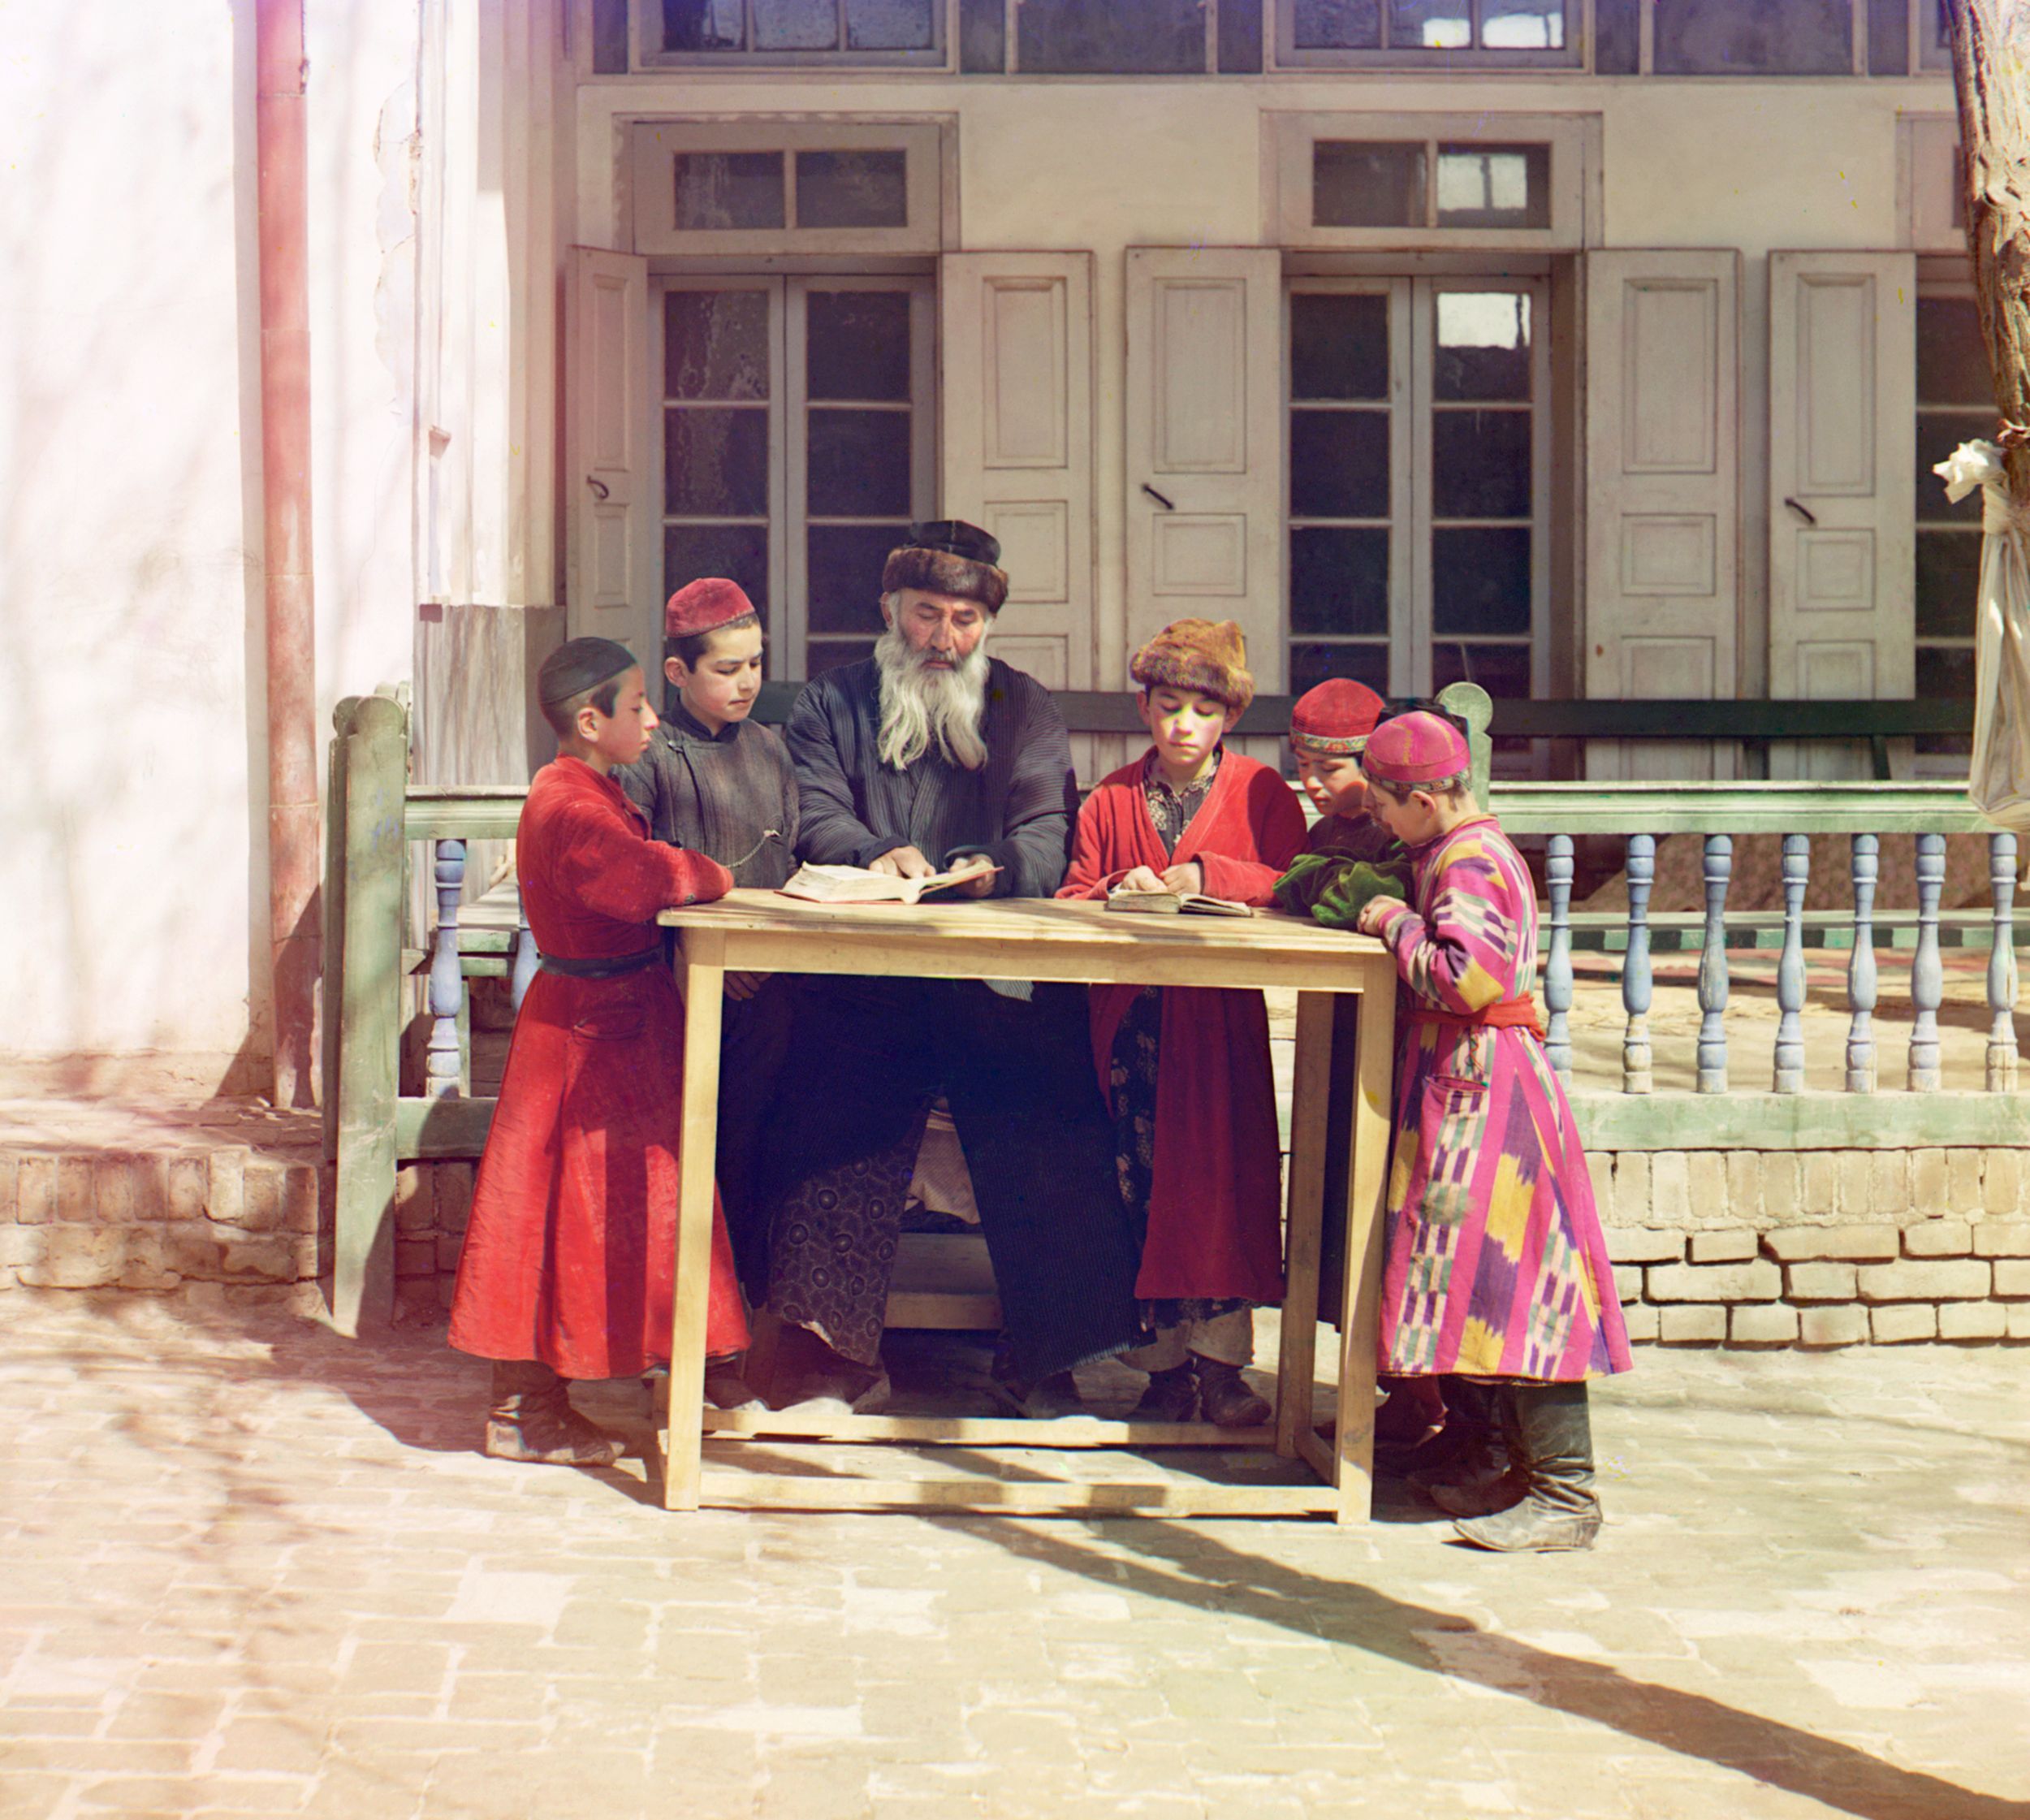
(333, 914)
(1472, 704)
(375, 766)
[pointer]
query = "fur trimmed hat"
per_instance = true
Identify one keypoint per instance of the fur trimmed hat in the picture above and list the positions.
(1208, 657)
(949, 556)
(1334, 720)
(1415, 750)
(705, 605)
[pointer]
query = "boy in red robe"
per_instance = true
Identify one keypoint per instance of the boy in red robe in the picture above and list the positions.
(1186, 1069)
(569, 1258)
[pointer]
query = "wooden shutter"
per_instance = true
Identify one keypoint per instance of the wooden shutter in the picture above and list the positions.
(611, 527)
(1843, 500)
(1662, 507)
(1205, 432)
(1017, 401)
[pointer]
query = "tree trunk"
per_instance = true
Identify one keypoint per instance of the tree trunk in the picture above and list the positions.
(1991, 71)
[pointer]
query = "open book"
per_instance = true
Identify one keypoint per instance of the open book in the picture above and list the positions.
(857, 884)
(1175, 903)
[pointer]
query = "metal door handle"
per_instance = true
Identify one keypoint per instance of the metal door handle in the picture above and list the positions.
(1805, 513)
(597, 485)
(1160, 500)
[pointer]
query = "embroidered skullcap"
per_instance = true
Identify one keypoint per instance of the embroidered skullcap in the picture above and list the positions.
(705, 605)
(1208, 657)
(580, 665)
(949, 556)
(1415, 749)
(1335, 718)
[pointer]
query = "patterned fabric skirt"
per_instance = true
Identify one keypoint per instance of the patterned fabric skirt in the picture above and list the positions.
(1496, 1267)
(1131, 1098)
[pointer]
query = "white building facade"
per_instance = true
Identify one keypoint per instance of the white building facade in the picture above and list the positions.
(1580, 347)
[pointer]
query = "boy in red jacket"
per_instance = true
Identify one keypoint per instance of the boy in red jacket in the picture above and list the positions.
(570, 1255)
(1186, 1069)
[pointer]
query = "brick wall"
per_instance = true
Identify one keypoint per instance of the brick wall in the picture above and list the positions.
(1753, 1248)
(1818, 1247)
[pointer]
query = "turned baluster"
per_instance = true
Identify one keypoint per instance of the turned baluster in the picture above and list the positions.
(1861, 992)
(447, 986)
(1557, 959)
(1635, 975)
(1926, 972)
(525, 954)
(1712, 967)
(1790, 1042)
(2001, 966)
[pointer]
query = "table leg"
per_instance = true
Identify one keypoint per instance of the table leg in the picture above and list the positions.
(1366, 1171)
(701, 977)
(1310, 1109)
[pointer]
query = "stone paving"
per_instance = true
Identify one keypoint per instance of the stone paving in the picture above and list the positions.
(248, 1568)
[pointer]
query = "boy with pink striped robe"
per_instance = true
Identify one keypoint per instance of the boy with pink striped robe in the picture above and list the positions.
(1497, 1276)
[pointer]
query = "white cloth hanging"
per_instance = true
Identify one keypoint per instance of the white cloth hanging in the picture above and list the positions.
(1998, 777)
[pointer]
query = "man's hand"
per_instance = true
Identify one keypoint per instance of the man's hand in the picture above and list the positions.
(1187, 880)
(740, 986)
(975, 876)
(904, 862)
(1141, 879)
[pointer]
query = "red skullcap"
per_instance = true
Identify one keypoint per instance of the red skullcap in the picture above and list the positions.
(1335, 718)
(1415, 749)
(704, 606)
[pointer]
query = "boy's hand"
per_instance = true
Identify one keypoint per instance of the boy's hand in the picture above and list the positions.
(740, 986)
(1141, 878)
(1374, 913)
(904, 862)
(1187, 880)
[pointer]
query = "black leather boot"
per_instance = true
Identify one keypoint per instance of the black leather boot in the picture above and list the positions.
(1558, 1509)
(531, 1421)
(1490, 1477)
(1225, 1399)
(1474, 1408)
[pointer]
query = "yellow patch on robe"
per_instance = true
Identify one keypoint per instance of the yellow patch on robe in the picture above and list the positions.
(1479, 1349)
(1510, 1198)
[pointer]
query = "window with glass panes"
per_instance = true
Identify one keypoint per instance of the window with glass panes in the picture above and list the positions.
(1479, 31)
(1955, 404)
(1419, 483)
(798, 444)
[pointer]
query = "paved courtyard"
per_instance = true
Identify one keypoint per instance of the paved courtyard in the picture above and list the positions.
(248, 1567)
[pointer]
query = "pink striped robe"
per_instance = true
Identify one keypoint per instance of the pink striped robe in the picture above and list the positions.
(1495, 1264)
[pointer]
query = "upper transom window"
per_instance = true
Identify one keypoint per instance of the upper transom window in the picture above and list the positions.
(1467, 32)
(790, 31)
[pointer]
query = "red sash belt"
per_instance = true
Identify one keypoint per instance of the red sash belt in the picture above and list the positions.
(1509, 1013)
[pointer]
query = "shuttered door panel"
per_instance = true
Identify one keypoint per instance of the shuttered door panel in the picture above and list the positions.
(1663, 482)
(1017, 457)
(1843, 504)
(612, 562)
(1204, 517)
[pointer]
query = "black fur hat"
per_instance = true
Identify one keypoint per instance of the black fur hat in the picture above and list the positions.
(949, 556)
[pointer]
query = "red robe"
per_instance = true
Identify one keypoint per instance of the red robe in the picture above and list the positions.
(570, 1255)
(1216, 1194)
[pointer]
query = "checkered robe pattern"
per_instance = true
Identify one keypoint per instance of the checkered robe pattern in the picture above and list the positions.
(1495, 1264)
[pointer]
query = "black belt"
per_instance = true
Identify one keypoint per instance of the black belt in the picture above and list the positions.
(606, 967)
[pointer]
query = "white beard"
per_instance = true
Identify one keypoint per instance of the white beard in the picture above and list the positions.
(922, 706)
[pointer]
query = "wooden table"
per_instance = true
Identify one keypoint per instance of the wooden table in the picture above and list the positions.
(1045, 940)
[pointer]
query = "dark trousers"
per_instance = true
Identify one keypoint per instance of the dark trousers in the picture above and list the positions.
(753, 1046)
(871, 1055)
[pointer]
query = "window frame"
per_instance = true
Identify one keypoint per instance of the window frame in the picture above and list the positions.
(1938, 276)
(653, 140)
(1412, 303)
(1573, 56)
(645, 33)
(1574, 178)
(786, 620)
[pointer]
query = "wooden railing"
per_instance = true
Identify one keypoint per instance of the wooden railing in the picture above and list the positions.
(376, 817)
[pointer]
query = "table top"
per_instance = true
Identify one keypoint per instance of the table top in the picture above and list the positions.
(1036, 938)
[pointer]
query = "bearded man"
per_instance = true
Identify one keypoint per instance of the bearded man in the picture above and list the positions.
(933, 756)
